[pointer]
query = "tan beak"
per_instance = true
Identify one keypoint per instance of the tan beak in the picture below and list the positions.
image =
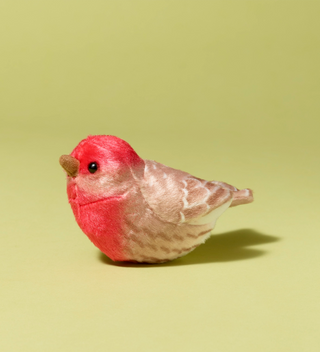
(70, 164)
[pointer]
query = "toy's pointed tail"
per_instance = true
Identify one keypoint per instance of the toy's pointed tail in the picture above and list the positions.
(244, 196)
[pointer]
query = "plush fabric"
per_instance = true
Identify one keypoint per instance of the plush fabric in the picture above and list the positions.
(140, 210)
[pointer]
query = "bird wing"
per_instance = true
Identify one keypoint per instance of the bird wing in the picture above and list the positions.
(178, 197)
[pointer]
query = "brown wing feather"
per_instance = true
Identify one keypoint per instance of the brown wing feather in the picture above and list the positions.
(177, 197)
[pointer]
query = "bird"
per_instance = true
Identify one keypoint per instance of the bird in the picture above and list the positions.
(141, 211)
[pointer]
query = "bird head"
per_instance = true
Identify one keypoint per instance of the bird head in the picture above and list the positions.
(101, 166)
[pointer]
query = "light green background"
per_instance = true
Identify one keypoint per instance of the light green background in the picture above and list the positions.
(226, 90)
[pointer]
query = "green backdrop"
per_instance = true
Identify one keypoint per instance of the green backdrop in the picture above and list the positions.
(226, 90)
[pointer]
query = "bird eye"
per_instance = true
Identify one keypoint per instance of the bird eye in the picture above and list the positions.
(93, 167)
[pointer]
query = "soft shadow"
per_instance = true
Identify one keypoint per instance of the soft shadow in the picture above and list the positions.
(225, 247)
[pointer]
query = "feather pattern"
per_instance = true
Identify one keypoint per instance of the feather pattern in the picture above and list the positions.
(178, 197)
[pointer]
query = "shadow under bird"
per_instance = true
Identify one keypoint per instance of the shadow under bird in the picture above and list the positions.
(140, 210)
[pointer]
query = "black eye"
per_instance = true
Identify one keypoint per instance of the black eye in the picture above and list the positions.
(93, 167)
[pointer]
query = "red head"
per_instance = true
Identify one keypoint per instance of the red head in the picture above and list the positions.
(102, 165)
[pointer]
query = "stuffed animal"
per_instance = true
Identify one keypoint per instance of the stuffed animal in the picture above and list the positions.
(140, 210)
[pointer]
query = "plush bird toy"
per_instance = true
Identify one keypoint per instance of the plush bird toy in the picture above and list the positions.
(140, 210)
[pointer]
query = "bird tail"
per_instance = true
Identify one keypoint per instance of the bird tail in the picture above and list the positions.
(244, 196)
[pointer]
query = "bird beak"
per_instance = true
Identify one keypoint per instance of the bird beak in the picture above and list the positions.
(70, 164)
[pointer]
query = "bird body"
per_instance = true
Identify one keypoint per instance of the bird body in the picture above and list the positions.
(140, 210)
